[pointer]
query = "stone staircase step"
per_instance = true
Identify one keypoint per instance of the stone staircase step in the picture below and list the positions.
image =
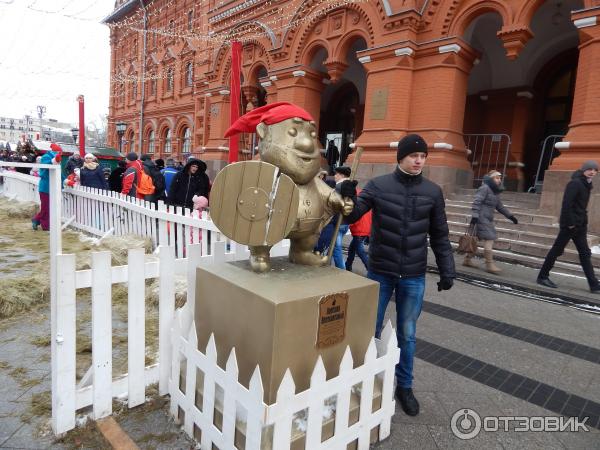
(506, 195)
(531, 249)
(514, 207)
(530, 261)
(551, 230)
(515, 203)
(524, 217)
(523, 235)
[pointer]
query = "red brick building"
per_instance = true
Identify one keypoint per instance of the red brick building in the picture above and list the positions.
(487, 83)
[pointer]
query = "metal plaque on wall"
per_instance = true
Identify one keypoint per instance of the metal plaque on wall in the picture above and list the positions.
(331, 328)
(379, 104)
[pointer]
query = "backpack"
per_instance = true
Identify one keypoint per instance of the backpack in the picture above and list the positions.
(158, 180)
(145, 185)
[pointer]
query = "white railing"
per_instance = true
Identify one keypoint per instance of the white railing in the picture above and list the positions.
(98, 386)
(18, 186)
(103, 213)
(294, 416)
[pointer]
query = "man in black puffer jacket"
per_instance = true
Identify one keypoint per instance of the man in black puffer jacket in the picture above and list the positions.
(406, 208)
(573, 225)
(191, 181)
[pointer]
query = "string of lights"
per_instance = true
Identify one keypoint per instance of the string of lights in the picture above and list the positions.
(239, 33)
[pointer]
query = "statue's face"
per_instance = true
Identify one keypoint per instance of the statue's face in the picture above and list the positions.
(292, 146)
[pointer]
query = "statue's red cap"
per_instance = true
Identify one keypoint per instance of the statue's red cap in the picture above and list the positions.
(269, 114)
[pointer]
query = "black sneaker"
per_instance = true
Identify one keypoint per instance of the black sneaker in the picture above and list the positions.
(407, 400)
(546, 282)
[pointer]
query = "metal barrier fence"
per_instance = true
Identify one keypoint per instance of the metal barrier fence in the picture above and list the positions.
(488, 152)
(547, 154)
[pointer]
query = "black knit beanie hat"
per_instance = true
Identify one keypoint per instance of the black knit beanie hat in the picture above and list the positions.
(411, 143)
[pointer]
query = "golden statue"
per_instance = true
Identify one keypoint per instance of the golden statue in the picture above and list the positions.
(259, 203)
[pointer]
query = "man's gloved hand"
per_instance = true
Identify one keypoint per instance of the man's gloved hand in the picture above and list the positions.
(57, 158)
(474, 220)
(445, 284)
(514, 220)
(348, 188)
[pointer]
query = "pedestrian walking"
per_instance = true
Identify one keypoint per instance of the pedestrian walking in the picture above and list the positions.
(487, 201)
(169, 173)
(190, 181)
(91, 174)
(407, 208)
(573, 226)
(158, 179)
(332, 155)
(360, 230)
(342, 173)
(132, 176)
(43, 216)
(115, 180)
(75, 161)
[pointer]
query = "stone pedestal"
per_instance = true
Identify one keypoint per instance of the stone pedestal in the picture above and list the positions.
(275, 319)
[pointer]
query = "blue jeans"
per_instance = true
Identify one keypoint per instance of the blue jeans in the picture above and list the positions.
(409, 301)
(357, 247)
(338, 257)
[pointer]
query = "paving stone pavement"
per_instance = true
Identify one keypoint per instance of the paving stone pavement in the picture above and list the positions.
(441, 390)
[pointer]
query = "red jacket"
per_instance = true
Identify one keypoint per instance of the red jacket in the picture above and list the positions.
(362, 227)
(130, 177)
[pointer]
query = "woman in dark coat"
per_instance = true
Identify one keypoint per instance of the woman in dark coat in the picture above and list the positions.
(190, 181)
(487, 201)
(91, 174)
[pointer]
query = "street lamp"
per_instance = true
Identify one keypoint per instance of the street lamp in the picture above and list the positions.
(74, 134)
(121, 127)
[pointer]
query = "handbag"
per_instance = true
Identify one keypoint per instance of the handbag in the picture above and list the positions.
(468, 242)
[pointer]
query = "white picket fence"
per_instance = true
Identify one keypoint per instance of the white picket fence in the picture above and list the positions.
(104, 213)
(275, 426)
(18, 186)
(98, 387)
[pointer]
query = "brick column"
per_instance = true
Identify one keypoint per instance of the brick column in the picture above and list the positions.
(217, 108)
(582, 142)
(583, 139)
(437, 102)
(387, 103)
(301, 86)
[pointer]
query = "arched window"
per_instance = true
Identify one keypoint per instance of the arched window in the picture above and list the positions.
(152, 84)
(171, 26)
(134, 87)
(189, 74)
(190, 20)
(170, 79)
(167, 146)
(151, 142)
(187, 141)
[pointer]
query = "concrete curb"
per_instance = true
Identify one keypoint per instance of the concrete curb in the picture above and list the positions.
(554, 295)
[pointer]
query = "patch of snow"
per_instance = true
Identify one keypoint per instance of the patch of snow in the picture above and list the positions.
(596, 249)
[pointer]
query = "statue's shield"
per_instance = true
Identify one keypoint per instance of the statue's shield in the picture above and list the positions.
(253, 203)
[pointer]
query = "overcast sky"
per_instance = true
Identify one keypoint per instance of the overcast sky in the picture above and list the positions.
(50, 52)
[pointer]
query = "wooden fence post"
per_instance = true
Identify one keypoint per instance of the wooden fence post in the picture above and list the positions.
(136, 338)
(63, 336)
(102, 334)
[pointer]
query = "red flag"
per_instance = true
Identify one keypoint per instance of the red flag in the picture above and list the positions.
(234, 95)
(80, 100)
